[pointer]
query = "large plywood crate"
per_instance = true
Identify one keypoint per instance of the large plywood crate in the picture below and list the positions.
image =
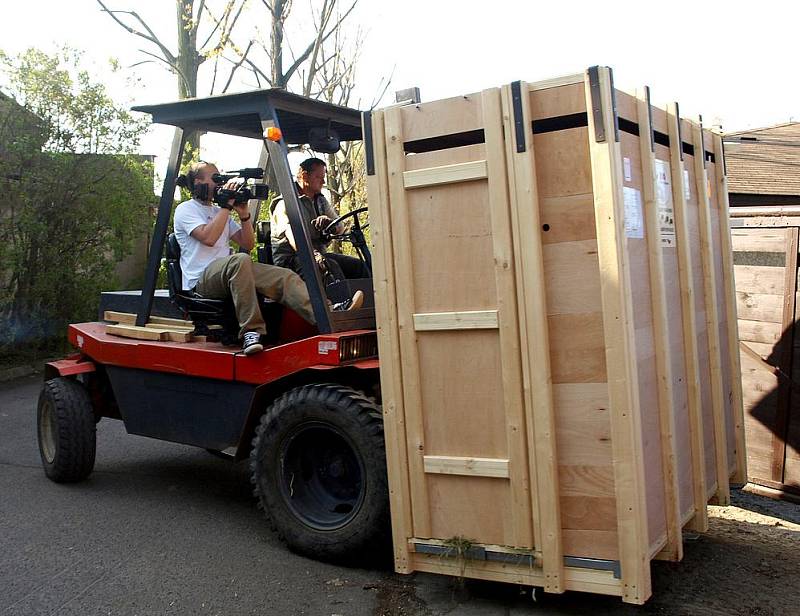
(557, 332)
(765, 250)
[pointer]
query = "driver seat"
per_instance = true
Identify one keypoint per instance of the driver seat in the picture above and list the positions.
(215, 318)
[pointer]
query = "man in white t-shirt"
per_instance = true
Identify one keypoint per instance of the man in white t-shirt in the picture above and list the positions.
(204, 230)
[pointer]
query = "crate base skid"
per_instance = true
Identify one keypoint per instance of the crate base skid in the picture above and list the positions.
(557, 332)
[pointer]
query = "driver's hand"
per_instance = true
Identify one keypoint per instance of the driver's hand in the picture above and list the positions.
(320, 259)
(320, 222)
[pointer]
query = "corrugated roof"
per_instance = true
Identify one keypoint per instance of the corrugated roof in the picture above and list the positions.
(764, 161)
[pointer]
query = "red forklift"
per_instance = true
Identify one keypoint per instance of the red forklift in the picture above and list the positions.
(305, 412)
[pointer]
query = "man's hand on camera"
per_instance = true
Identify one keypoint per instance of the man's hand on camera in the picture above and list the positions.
(241, 209)
(320, 222)
(233, 186)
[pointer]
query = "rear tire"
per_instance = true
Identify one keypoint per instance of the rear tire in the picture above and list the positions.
(67, 430)
(319, 471)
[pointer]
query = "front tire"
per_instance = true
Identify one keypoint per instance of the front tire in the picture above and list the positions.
(67, 430)
(319, 471)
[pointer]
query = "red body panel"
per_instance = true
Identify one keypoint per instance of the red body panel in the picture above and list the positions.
(72, 365)
(211, 359)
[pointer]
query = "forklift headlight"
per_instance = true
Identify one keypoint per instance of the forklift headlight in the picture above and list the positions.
(358, 347)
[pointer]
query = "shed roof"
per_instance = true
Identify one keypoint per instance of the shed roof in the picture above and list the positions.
(764, 161)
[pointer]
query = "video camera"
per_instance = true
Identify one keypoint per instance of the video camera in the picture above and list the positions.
(242, 194)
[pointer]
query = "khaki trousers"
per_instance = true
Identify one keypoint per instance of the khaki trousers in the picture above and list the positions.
(238, 276)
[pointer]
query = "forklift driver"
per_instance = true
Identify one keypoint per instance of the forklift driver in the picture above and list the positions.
(318, 213)
(204, 229)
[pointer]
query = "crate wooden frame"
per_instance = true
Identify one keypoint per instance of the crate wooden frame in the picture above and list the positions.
(550, 248)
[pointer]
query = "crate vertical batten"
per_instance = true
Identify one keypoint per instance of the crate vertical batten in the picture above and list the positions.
(533, 315)
(388, 343)
(673, 548)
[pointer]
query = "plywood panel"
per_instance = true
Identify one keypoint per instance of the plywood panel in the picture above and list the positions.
(572, 277)
(555, 102)
(582, 480)
(591, 544)
(437, 158)
(567, 218)
(583, 427)
(677, 351)
(640, 284)
(707, 408)
(577, 348)
(458, 378)
(590, 513)
(461, 276)
(472, 507)
(443, 117)
(565, 169)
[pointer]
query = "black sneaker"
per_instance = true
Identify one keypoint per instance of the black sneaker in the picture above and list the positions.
(252, 343)
(354, 303)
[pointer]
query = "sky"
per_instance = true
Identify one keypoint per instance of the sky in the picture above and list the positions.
(728, 62)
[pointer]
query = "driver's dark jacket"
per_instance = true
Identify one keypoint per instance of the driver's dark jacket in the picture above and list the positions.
(310, 209)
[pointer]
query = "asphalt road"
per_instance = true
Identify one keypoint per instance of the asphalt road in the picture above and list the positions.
(160, 528)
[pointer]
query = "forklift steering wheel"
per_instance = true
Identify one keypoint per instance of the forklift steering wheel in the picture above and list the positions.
(327, 231)
(355, 235)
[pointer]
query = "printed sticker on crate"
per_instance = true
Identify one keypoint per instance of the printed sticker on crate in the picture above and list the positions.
(687, 190)
(666, 219)
(634, 226)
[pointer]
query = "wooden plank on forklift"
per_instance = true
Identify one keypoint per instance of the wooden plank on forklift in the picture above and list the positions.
(138, 333)
(149, 333)
(129, 318)
(174, 328)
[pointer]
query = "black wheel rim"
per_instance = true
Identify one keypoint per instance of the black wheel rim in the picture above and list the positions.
(321, 476)
(47, 432)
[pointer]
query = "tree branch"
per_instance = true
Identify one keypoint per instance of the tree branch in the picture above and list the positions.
(290, 71)
(236, 66)
(150, 36)
(172, 66)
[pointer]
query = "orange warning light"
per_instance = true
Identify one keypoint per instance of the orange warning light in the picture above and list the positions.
(273, 133)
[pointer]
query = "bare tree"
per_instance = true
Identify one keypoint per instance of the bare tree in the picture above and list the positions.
(192, 17)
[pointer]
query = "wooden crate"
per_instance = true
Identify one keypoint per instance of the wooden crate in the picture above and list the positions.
(765, 246)
(557, 332)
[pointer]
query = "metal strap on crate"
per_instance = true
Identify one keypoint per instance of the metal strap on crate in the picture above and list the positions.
(369, 148)
(476, 552)
(598, 564)
(519, 124)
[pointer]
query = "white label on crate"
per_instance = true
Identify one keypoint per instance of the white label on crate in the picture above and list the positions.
(634, 226)
(80, 342)
(687, 190)
(666, 220)
(326, 345)
(626, 165)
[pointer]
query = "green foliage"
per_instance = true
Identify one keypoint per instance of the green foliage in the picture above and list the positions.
(75, 196)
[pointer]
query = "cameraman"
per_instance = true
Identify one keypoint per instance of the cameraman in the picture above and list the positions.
(204, 229)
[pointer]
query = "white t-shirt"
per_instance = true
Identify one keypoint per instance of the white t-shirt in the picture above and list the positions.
(195, 256)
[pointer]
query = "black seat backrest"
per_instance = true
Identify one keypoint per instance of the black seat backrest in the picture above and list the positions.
(174, 274)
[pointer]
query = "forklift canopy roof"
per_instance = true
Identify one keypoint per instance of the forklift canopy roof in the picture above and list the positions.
(240, 114)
